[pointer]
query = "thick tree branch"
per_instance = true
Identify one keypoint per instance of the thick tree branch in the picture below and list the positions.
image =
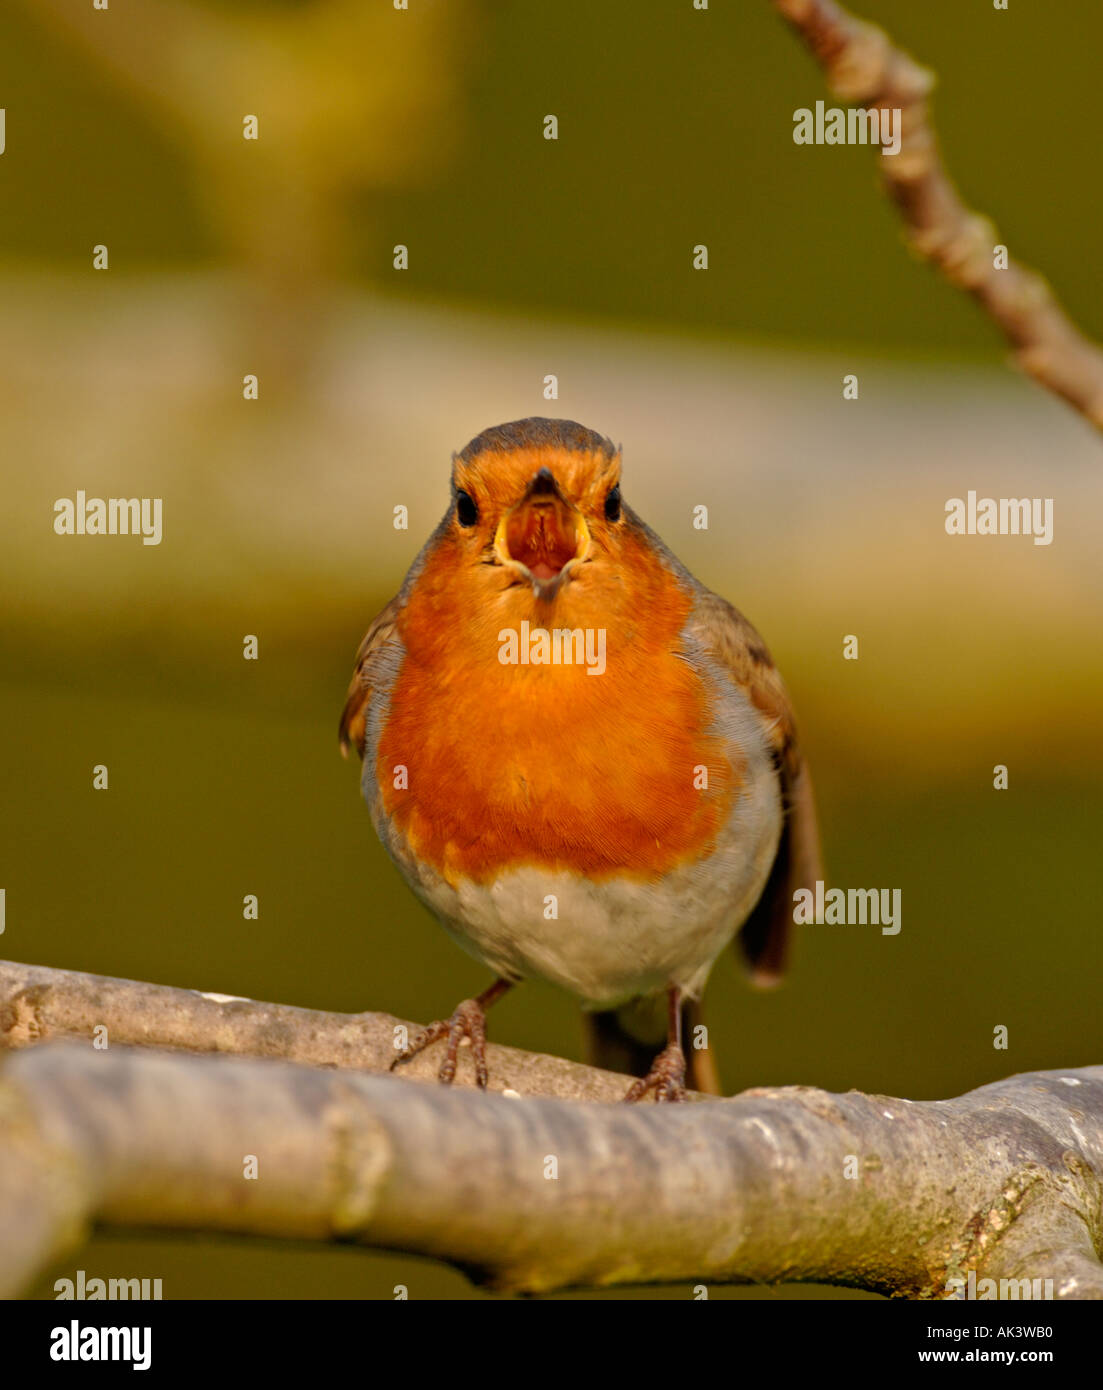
(540, 1194)
(864, 67)
(773, 1186)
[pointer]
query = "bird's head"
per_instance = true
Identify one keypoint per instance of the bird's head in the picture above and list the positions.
(536, 501)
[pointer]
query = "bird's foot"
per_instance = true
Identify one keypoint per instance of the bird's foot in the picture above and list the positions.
(468, 1021)
(667, 1077)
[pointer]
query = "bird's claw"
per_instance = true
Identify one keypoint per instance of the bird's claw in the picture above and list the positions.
(468, 1021)
(667, 1078)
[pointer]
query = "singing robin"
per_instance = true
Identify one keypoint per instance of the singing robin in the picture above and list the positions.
(582, 760)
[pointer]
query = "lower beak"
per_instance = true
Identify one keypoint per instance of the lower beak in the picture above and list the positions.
(543, 539)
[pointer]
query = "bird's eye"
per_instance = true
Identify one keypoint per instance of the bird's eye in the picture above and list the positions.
(467, 513)
(612, 503)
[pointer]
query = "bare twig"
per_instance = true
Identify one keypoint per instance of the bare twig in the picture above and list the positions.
(864, 67)
(38, 1004)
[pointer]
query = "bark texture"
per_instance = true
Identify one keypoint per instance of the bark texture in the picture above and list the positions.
(524, 1193)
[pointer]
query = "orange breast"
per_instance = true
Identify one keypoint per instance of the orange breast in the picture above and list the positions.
(547, 765)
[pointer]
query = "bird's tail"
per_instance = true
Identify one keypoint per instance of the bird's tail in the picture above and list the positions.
(629, 1038)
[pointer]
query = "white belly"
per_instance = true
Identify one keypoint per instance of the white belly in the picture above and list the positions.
(607, 940)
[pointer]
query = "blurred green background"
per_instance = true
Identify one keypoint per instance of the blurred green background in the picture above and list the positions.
(529, 258)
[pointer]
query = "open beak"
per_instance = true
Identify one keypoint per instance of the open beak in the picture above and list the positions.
(544, 537)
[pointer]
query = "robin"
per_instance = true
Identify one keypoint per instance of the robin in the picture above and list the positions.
(582, 760)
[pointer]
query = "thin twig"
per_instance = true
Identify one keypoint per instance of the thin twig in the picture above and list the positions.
(38, 1004)
(864, 67)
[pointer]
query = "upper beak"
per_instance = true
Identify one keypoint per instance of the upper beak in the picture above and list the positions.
(544, 537)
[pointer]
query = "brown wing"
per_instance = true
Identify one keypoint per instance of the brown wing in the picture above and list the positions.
(354, 715)
(732, 640)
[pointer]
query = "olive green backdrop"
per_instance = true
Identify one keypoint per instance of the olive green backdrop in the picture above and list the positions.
(530, 257)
